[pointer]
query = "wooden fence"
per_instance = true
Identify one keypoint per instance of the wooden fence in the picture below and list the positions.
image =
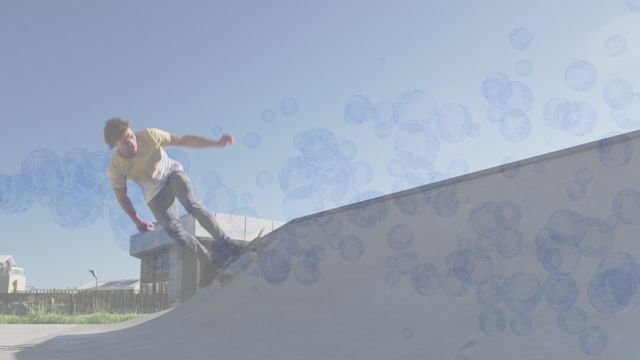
(81, 302)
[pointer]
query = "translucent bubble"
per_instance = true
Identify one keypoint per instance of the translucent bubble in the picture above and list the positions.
(486, 243)
(495, 114)
(406, 333)
(368, 213)
(391, 262)
(416, 149)
(362, 173)
(598, 238)
(392, 278)
(82, 170)
(358, 110)
(274, 265)
(383, 130)
(496, 88)
(212, 180)
(618, 93)
(400, 237)
(457, 168)
(409, 205)
(578, 118)
(453, 123)
(288, 106)
(221, 199)
(616, 45)
(573, 321)
(471, 267)
(17, 193)
(296, 174)
(520, 38)
(453, 286)
(75, 208)
(521, 98)
(568, 224)
(510, 243)
(522, 292)
(264, 179)
(317, 145)
(407, 262)
(425, 279)
(512, 213)
(515, 126)
(302, 202)
(626, 206)
(349, 149)
(583, 176)
(628, 118)
(444, 200)
(307, 272)
(593, 340)
(560, 292)
(615, 289)
(521, 325)
(614, 259)
(556, 253)
(247, 198)
(252, 140)
(269, 116)
(351, 248)
(181, 156)
(487, 219)
(509, 168)
(492, 321)
(575, 191)
(580, 75)
(45, 168)
(615, 153)
(523, 67)
(414, 109)
(489, 293)
(633, 5)
(557, 113)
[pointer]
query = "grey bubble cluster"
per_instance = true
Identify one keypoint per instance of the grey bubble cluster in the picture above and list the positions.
(624, 103)
(74, 188)
(325, 171)
(496, 227)
(615, 152)
(574, 117)
(510, 102)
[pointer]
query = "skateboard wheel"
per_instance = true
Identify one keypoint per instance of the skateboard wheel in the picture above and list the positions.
(217, 284)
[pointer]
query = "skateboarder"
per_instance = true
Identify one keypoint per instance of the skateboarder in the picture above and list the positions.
(140, 157)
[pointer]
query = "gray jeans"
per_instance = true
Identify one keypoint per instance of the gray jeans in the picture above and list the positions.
(163, 209)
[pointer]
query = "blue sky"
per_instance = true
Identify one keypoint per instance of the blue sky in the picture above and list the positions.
(329, 102)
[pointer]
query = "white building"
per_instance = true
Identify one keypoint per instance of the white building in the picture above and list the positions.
(12, 278)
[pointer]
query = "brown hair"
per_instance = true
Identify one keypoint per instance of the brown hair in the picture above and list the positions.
(114, 129)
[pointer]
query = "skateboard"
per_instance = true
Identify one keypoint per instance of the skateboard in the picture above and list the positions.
(253, 248)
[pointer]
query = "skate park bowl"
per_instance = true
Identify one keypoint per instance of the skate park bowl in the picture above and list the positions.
(535, 259)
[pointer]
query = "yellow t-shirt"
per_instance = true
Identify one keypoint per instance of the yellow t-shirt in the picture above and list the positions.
(150, 166)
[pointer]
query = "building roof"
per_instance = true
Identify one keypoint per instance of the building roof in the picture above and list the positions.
(7, 258)
(129, 284)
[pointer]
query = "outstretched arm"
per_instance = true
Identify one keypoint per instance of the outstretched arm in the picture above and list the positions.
(200, 142)
(127, 206)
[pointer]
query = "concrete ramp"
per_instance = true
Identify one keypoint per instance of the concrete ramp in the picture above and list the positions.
(530, 260)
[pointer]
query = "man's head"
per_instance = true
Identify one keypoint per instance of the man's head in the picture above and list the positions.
(118, 133)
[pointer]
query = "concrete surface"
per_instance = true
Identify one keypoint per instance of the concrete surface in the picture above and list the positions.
(532, 260)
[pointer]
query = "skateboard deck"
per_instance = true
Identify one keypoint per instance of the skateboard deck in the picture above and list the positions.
(248, 255)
